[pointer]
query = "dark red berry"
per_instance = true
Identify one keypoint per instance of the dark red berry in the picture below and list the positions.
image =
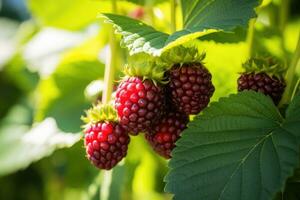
(139, 104)
(106, 144)
(191, 87)
(262, 82)
(167, 132)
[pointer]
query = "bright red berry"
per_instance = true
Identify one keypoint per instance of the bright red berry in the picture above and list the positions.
(106, 144)
(191, 87)
(262, 82)
(139, 104)
(167, 132)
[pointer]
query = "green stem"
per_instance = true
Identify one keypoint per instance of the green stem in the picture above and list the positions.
(296, 89)
(290, 75)
(109, 75)
(110, 63)
(283, 18)
(173, 16)
(283, 14)
(250, 37)
(107, 178)
(149, 10)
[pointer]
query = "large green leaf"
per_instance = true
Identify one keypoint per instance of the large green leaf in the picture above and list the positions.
(200, 18)
(139, 37)
(239, 148)
(216, 14)
(18, 150)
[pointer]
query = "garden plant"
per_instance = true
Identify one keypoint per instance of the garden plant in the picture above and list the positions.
(151, 99)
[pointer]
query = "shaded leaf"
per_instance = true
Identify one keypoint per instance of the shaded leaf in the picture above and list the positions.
(239, 148)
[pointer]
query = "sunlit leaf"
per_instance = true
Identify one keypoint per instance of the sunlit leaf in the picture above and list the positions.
(67, 14)
(200, 18)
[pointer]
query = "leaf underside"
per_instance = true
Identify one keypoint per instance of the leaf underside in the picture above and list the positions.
(240, 148)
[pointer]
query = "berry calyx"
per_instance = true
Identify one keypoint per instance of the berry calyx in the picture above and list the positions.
(263, 75)
(167, 132)
(105, 140)
(139, 104)
(191, 87)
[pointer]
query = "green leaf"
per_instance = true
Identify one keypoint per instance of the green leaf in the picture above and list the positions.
(62, 94)
(18, 150)
(218, 14)
(139, 37)
(67, 14)
(239, 148)
(200, 18)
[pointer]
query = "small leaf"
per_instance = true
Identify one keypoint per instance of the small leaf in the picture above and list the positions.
(18, 150)
(239, 148)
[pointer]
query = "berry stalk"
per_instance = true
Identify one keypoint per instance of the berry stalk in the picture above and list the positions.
(290, 75)
(250, 37)
(108, 89)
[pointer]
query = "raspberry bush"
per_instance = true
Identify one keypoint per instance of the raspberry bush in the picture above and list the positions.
(152, 99)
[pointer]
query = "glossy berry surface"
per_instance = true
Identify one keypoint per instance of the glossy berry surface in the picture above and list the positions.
(261, 82)
(191, 87)
(167, 132)
(106, 144)
(139, 104)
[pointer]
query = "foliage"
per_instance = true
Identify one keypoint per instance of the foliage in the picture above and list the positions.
(52, 69)
(240, 145)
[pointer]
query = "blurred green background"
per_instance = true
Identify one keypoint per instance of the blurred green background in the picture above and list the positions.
(52, 60)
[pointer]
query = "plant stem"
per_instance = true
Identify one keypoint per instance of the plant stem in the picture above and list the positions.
(283, 18)
(149, 11)
(173, 16)
(295, 89)
(109, 75)
(290, 75)
(283, 14)
(110, 63)
(250, 37)
(107, 178)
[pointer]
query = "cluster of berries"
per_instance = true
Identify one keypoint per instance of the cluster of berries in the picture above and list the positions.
(152, 99)
(157, 100)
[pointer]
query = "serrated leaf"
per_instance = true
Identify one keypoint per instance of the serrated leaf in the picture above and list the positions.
(139, 37)
(217, 14)
(200, 18)
(240, 148)
(18, 150)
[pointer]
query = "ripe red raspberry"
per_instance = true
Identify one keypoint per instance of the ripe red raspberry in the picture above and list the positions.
(139, 104)
(167, 132)
(106, 144)
(191, 87)
(262, 82)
